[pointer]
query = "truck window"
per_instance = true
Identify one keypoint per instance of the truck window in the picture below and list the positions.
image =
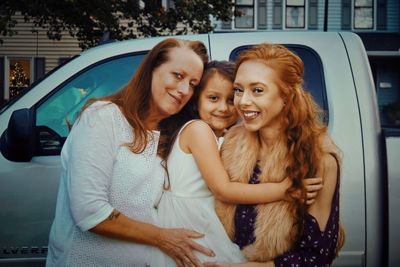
(56, 113)
(314, 81)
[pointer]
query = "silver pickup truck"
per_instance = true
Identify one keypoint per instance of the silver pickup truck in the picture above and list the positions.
(34, 126)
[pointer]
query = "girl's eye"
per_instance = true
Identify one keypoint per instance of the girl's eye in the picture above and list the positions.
(213, 98)
(258, 90)
(192, 85)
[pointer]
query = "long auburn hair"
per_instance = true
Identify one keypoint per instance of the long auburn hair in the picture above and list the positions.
(134, 98)
(302, 119)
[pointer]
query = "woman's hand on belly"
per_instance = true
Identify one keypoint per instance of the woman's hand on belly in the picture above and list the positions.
(178, 244)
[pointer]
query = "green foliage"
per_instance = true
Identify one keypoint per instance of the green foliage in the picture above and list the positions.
(91, 20)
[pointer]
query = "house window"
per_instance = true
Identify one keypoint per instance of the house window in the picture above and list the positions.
(19, 76)
(246, 9)
(363, 14)
(295, 14)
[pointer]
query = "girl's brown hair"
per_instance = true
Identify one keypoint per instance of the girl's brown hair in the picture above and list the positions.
(134, 98)
(302, 118)
(224, 68)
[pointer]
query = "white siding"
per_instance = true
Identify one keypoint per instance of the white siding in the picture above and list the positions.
(393, 14)
(270, 14)
(321, 15)
(31, 44)
(335, 15)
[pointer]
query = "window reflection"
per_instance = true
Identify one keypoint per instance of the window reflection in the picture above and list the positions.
(246, 10)
(295, 14)
(363, 14)
(19, 76)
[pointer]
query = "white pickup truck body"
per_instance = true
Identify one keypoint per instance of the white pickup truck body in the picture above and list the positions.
(337, 74)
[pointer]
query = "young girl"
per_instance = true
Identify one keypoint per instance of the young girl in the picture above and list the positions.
(195, 172)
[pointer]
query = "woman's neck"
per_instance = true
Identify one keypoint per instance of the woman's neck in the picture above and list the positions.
(218, 133)
(270, 136)
(152, 121)
(272, 142)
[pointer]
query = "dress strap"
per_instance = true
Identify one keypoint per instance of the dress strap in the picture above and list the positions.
(184, 126)
(218, 140)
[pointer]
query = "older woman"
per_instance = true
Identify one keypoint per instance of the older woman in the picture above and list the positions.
(111, 174)
(280, 136)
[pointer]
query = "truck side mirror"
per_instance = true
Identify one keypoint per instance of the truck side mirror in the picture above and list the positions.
(17, 143)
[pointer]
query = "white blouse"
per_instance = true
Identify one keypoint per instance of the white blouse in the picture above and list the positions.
(99, 174)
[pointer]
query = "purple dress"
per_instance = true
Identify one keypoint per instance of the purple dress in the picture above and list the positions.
(314, 247)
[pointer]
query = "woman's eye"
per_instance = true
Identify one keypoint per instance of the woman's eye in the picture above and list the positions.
(237, 90)
(258, 90)
(178, 75)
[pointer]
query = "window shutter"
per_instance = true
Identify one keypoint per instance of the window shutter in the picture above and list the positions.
(262, 14)
(313, 14)
(2, 75)
(39, 68)
(346, 14)
(381, 15)
(277, 21)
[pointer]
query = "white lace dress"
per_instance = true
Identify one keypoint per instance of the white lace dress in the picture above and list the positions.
(99, 174)
(190, 204)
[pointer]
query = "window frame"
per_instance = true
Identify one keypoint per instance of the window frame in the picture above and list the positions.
(353, 16)
(285, 18)
(254, 7)
(7, 61)
(61, 139)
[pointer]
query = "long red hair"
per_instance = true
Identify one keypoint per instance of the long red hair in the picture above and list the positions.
(134, 98)
(301, 118)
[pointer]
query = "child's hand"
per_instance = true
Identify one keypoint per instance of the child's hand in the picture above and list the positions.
(312, 185)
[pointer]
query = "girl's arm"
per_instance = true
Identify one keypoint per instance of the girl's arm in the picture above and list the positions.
(320, 210)
(198, 139)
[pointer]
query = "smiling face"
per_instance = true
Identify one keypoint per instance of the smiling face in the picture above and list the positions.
(257, 96)
(215, 104)
(173, 82)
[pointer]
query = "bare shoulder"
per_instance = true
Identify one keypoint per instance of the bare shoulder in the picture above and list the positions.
(329, 162)
(321, 208)
(329, 165)
(197, 133)
(196, 128)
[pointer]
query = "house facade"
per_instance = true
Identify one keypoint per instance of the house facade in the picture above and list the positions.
(377, 22)
(27, 56)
